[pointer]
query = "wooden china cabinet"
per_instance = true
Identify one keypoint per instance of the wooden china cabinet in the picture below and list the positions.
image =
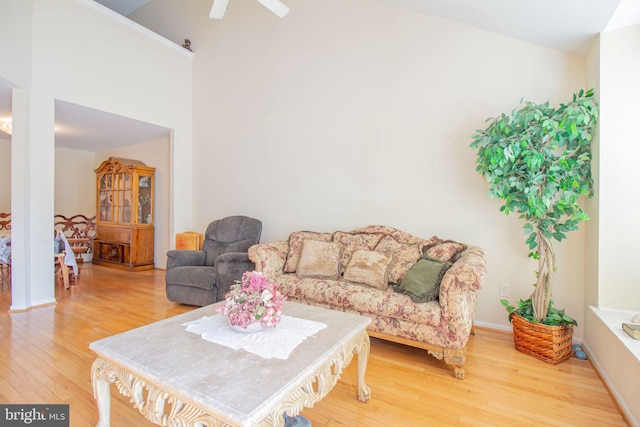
(124, 215)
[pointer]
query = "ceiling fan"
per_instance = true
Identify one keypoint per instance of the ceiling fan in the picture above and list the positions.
(220, 6)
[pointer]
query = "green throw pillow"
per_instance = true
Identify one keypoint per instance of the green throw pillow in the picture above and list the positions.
(422, 281)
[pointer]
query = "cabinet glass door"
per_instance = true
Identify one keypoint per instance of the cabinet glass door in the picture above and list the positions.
(126, 204)
(106, 198)
(145, 207)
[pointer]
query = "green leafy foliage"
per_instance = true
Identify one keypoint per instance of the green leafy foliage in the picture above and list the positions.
(525, 310)
(537, 159)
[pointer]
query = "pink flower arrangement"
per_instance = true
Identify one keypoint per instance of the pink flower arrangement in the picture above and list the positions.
(255, 298)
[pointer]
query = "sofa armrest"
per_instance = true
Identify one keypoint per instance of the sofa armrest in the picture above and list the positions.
(269, 258)
(185, 257)
(229, 267)
(458, 293)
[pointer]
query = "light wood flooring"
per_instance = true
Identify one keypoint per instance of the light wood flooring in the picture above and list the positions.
(44, 358)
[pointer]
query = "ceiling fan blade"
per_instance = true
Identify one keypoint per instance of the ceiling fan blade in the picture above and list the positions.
(218, 9)
(276, 7)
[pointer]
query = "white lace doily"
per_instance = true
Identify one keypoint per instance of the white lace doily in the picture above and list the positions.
(276, 342)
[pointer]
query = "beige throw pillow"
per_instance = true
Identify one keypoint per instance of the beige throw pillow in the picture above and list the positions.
(295, 247)
(353, 242)
(369, 268)
(320, 260)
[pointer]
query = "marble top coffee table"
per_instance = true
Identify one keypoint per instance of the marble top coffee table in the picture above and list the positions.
(174, 377)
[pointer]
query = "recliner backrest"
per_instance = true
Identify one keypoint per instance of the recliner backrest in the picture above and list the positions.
(231, 234)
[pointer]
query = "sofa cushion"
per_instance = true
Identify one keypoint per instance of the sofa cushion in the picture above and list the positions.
(295, 247)
(369, 268)
(422, 281)
(403, 256)
(398, 235)
(320, 260)
(353, 242)
(447, 251)
(355, 298)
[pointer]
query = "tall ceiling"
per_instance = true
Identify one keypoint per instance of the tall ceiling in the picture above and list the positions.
(566, 25)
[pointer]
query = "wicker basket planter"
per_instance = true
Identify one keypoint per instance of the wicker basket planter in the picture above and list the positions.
(551, 344)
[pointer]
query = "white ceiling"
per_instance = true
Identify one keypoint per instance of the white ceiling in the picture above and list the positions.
(567, 25)
(82, 128)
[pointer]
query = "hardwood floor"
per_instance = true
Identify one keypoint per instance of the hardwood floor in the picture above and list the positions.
(44, 358)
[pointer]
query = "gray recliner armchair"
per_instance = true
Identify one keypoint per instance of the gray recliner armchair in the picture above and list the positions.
(202, 277)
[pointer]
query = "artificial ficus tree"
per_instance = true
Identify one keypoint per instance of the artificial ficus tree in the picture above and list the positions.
(537, 159)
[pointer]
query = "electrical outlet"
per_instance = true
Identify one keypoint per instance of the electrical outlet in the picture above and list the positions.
(504, 291)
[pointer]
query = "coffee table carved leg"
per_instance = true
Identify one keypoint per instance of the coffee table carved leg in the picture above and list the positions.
(101, 392)
(153, 402)
(364, 391)
(321, 382)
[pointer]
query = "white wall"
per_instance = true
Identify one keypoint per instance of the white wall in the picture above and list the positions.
(15, 24)
(611, 263)
(617, 364)
(15, 48)
(80, 52)
(154, 87)
(593, 205)
(619, 173)
(154, 154)
(5, 174)
(75, 182)
(344, 114)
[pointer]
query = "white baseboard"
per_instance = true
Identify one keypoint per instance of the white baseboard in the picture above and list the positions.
(509, 329)
(494, 326)
(612, 387)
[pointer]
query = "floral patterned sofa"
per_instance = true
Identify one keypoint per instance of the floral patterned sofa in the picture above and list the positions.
(442, 326)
